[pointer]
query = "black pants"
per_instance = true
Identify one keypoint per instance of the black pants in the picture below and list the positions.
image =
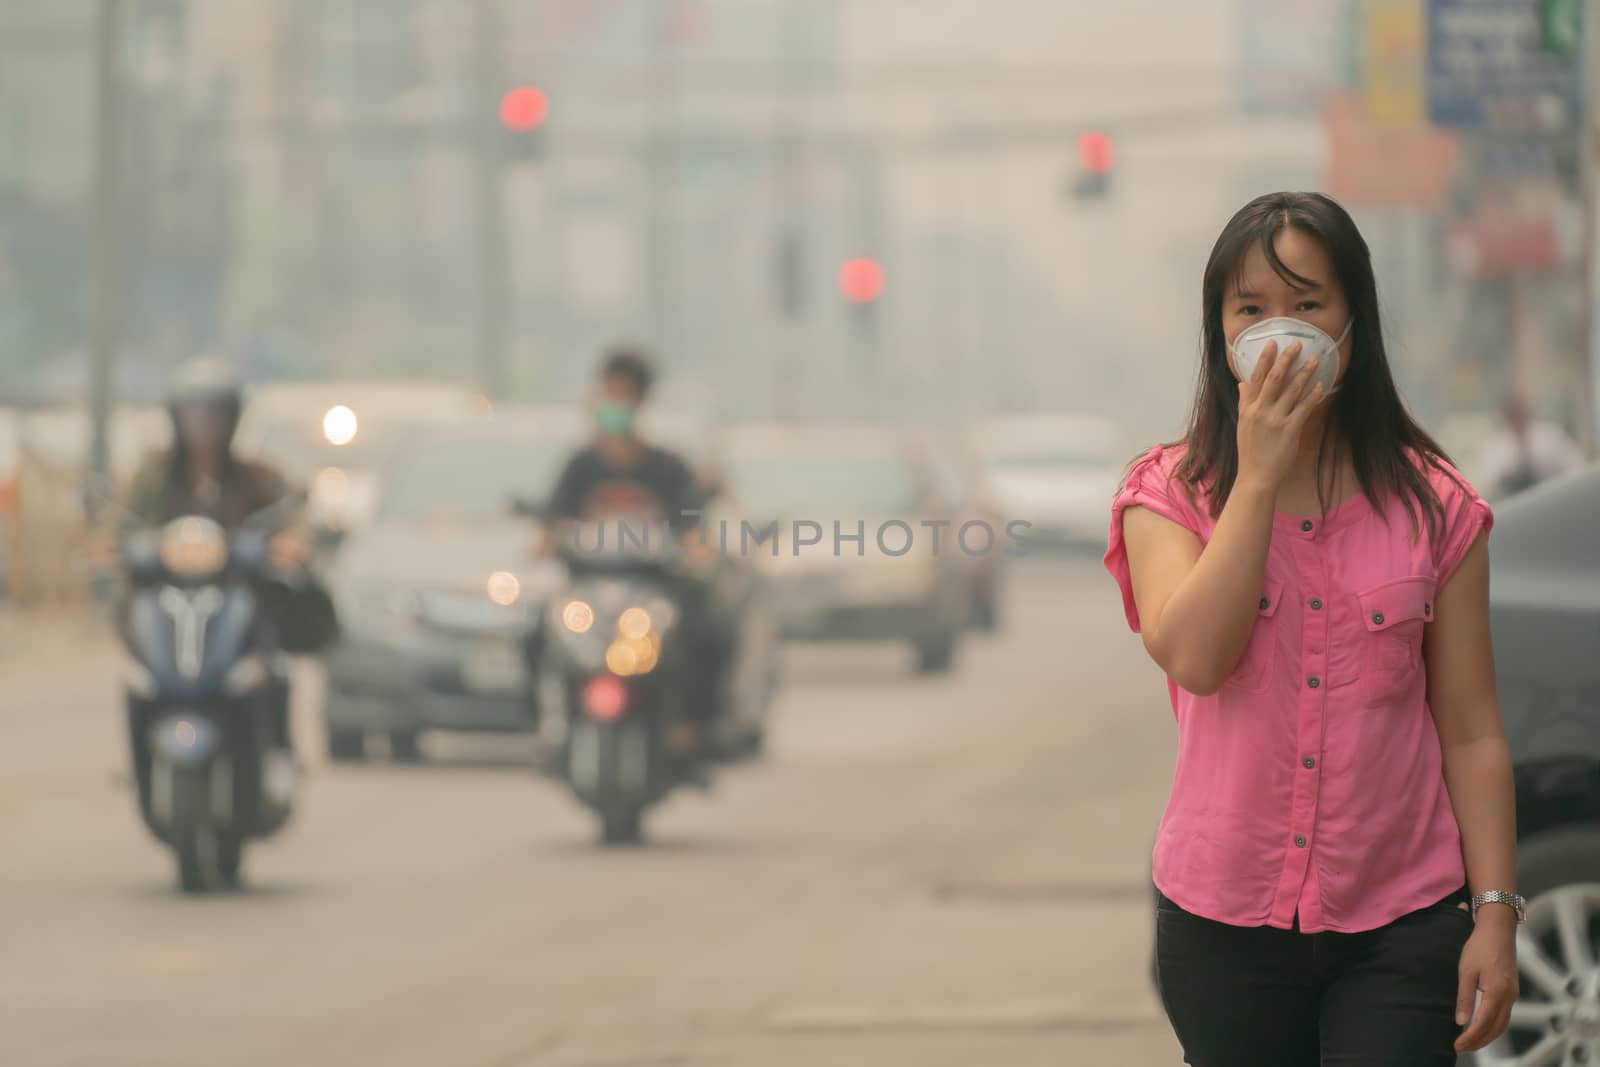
(1262, 997)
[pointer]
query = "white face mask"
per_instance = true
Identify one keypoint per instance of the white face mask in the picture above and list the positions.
(1314, 344)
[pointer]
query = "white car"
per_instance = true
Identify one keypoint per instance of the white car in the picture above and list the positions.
(1058, 473)
(332, 438)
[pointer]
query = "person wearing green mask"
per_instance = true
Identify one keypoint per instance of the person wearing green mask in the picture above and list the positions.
(621, 475)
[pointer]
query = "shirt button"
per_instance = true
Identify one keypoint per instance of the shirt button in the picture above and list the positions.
(1307, 525)
(1299, 840)
(1309, 762)
(1377, 620)
(1265, 603)
(1314, 681)
(1427, 609)
(1316, 603)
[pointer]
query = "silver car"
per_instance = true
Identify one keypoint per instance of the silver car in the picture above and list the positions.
(902, 580)
(437, 594)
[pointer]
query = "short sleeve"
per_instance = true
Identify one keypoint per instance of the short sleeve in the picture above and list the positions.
(1466, 515)
(1149, 484)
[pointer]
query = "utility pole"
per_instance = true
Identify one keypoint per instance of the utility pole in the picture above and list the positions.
(792, 243)
(660, 174)
(493, 253)
(104, 310)
(1589, 178)
(866, 345)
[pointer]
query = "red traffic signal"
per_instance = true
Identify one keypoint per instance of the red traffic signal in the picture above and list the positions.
(1096, 151)
(861, 280)
(524, 109)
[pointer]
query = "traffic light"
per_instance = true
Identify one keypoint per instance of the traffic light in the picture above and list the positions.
(861, 280)
(1097, 158)
(523, 111)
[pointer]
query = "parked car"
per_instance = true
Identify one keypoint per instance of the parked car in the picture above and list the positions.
(435, 594)
(1055, 472)
(335, 437)
(1545, 612)
(806, 479)
(963, 483)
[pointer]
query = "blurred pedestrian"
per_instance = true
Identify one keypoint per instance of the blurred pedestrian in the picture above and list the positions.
(1525, 451)
(1336, 866)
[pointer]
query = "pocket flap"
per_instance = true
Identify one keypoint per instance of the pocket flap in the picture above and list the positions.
(1271, 594)
(1398, 601)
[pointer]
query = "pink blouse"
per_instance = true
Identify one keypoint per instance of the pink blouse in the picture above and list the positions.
(1312, 781)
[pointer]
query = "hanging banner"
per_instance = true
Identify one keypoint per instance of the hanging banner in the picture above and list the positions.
(1488, 69)
(1394, 57)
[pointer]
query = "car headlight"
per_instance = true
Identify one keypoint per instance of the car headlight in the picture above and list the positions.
(193, 547)
(893, 577)
(381, 602)
(504, 588)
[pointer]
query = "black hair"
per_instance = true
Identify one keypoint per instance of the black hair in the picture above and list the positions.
(1390, 452)
(626, 361)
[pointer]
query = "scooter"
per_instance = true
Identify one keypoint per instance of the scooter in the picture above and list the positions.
(205, 678)
(613, 680)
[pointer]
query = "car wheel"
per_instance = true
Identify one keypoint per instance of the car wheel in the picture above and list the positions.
(1557, 1019)
(986, 611)
(346, 746)
(230, 859)
(752, 745)
(403, 746)
(935, 655)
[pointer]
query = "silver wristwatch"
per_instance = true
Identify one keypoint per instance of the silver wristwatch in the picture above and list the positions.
(1499, 896)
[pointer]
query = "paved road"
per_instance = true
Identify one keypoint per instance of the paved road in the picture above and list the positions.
(923, 872)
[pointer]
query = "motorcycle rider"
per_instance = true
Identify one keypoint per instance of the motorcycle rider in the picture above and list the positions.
(201, 475)
(621, 474)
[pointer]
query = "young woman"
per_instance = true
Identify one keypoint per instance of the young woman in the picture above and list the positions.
(1336, 866)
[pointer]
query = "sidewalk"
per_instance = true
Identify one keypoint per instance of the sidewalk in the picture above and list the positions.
(31, 637)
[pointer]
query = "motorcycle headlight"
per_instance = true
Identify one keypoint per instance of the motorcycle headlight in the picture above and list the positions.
(574, 615)
(193, 547)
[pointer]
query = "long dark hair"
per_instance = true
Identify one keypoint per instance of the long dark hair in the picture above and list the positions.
(1389, 451)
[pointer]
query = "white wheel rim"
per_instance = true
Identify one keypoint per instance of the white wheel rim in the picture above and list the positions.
(1557, 1021)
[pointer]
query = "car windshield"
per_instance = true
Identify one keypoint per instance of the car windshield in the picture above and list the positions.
(821, 486)
(477, 478)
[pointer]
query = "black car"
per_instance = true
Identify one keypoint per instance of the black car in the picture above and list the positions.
(1545, 611)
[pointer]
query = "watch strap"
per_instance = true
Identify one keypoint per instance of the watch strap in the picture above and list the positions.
(1500, 896)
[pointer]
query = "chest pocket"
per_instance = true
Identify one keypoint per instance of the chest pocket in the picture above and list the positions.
(1394, 616)
(1255, 666)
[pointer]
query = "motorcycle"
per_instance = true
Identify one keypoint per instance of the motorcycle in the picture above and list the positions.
(205, 676)
(613, 671)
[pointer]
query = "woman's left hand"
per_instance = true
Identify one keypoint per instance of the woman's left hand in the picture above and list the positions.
(1489, 965)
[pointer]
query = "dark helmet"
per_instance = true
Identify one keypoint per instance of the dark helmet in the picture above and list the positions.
(206, 385)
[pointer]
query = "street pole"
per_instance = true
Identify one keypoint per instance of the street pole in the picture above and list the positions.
(660, 172)
(493, 253)
(107, 241)
(791, 222)
(1589, 177)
